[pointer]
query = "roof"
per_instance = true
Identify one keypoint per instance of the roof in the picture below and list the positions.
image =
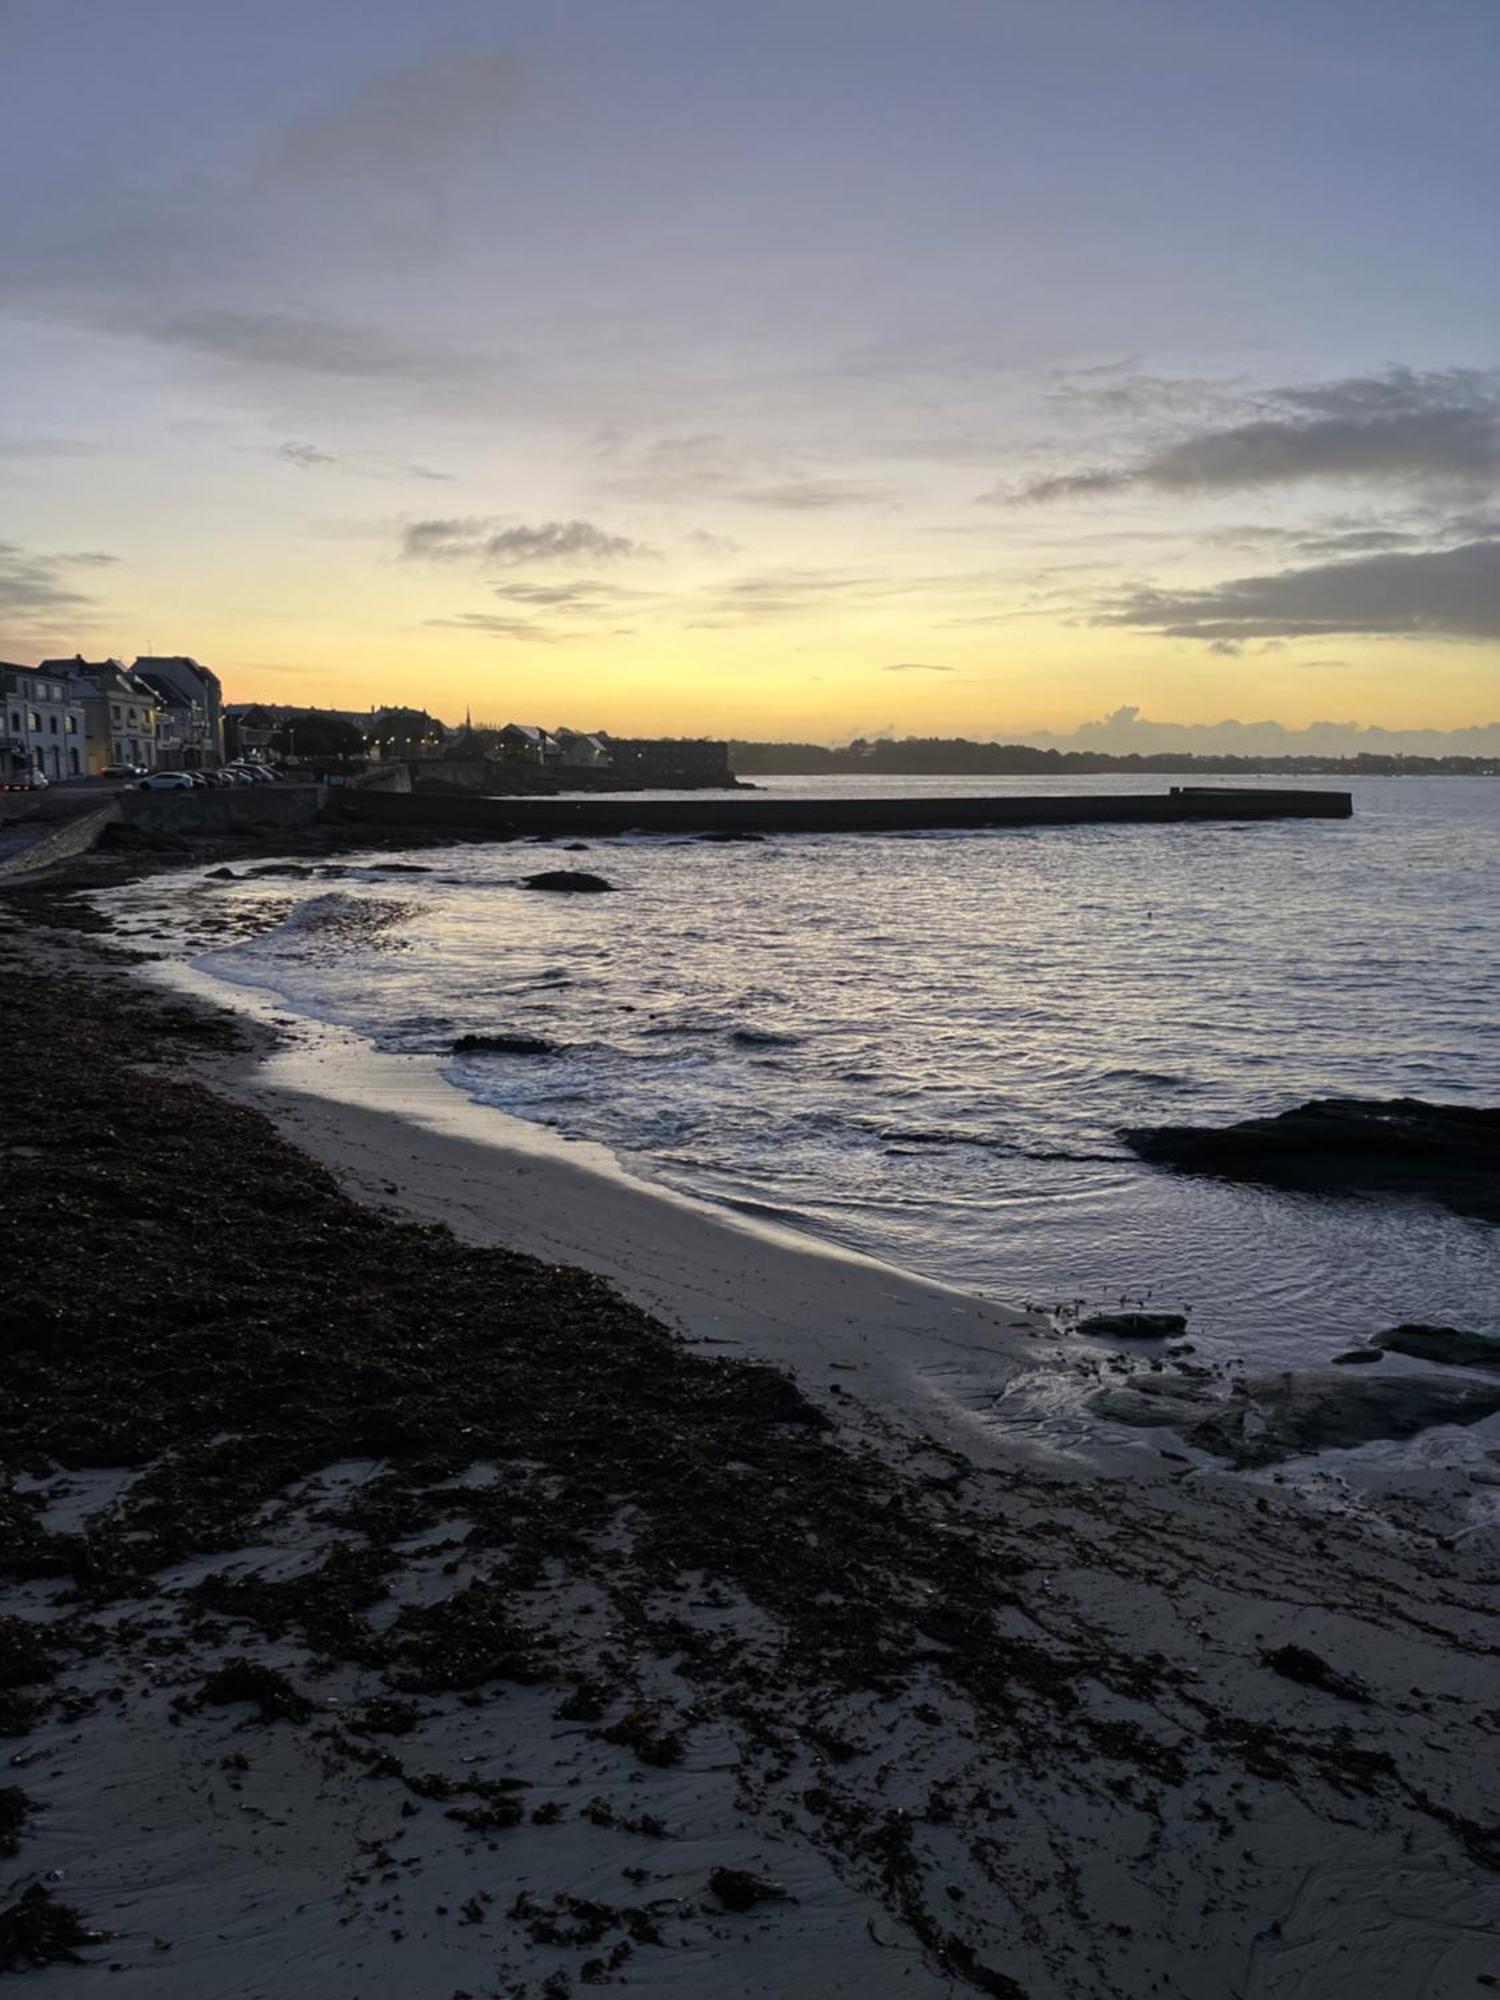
(171, 695)
(156, 662)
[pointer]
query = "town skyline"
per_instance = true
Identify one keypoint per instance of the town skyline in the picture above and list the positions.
(765, 379)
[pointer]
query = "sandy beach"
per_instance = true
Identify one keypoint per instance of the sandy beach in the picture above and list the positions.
(394, 1609)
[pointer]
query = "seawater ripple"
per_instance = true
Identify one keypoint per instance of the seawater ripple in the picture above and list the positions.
(925, 1046)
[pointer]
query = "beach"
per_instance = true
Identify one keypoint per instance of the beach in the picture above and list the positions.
(444, 1563)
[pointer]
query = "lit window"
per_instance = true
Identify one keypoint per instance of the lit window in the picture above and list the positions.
(34, 721)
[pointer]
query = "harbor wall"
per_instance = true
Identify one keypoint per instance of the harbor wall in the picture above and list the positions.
(600, 818)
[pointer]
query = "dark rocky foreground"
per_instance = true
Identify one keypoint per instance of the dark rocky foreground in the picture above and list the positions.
(1046, 1726)
(1448, 1153)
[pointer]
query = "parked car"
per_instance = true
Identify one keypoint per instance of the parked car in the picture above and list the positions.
(24, 781)
(165, 781)
(123, 771)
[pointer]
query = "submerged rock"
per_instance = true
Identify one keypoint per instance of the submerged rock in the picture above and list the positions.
(1271, 1417)
(1443, 1343)
(1449, 1153)
(1133, 1326)
(1356, 1357)
(504, 1045)
(568, 881)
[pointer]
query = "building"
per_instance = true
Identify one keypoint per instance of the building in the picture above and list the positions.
(580, 752)
(249, 727)
(42, 724)
(671, 760)
(119, 711)
(528, 743)
(192, 702)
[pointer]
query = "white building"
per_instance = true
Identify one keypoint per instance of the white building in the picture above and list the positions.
(42, 724)
(119, 711)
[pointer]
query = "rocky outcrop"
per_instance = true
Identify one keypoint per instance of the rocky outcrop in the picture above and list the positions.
(1133, 1326)
(1449, 1153)
(504, 1045)
(1443, 1343)
(1272, 1417)
(568, 882)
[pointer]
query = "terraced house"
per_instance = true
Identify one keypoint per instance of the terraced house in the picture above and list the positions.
(42, 726)
(190, 719)
(119, 711)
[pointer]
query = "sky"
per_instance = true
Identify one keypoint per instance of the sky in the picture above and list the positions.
(1008, 368)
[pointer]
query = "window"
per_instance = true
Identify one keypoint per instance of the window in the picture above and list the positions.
(15, 723)
(115, 711)
(71, 725)
(52, 725)
(33, 720)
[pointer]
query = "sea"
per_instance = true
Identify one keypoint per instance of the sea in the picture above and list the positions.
(926, 1045)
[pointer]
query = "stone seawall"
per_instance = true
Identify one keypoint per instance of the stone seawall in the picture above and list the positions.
(599, 818)
(233, 810)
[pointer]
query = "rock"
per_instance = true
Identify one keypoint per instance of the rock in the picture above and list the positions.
(504, 1045)
(38, 1930)
(568, 881)
(221, 875)
(737, 1889)
(1355, 1357)
(730, 834)
(1442, 1343)
(1307, 1669)
(1449, 1153)
(1272, 1417)
(1133, 1326)
(15, 1809)
(270, 1693)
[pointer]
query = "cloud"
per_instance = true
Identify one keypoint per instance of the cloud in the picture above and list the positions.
(915, 667)
(489, 625)
(1440, 594)
(289, 342)
(46, 447)
(704, 543)
(680, 466)
(403, 124)
(579, 594)
(473, 538)
(36, 586)
(305, 455)
(1127, 730)
(1402, 428)
(807, 495)
(787, 593)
